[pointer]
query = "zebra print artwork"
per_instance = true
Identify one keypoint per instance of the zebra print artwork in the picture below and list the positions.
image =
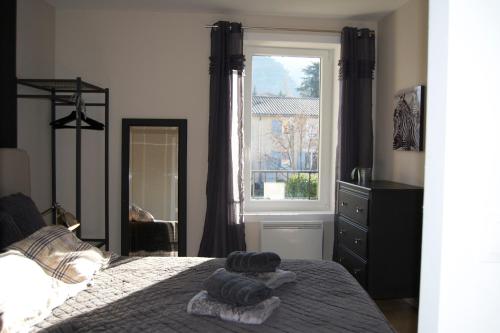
(408, 116)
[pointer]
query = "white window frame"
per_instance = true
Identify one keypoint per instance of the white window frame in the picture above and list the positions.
(327, 49)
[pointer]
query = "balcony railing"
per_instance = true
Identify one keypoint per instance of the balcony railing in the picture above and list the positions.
(304, 188)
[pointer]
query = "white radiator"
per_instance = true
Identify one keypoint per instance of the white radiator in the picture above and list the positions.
(293, 240)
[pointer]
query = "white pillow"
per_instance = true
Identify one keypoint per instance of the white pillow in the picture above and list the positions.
(27, 293)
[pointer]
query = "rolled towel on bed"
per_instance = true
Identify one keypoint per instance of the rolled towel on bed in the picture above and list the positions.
(273, 279)
(202, 305)
(235, 289)
(257, 262)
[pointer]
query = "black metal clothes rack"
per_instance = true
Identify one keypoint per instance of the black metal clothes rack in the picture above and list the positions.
(63, 93)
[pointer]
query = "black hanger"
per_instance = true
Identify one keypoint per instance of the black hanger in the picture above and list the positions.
(91, 123)
(64, 120)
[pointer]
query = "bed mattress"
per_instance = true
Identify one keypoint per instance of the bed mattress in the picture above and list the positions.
(151, 294)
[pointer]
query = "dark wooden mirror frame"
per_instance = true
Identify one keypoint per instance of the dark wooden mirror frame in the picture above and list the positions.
(181, 124)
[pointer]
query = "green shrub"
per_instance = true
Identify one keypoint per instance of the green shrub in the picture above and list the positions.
(299, 186)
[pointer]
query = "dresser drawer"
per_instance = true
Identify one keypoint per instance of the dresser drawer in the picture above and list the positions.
(352, 237)
(354, 265)
(353, 206)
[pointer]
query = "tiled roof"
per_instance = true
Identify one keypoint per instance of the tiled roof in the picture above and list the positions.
(285, 106)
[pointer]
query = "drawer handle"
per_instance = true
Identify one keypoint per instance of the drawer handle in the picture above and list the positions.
(341, 259)
(356, 271)
(357, 240)
(359, 210)
(343, 203)
(342, 231)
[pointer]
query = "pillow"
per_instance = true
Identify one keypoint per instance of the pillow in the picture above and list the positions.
(24, 212)
(27, 294)
(9, 232)
(137, 214)
(62, 255)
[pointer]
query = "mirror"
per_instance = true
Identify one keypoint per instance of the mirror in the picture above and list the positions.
(154, 187)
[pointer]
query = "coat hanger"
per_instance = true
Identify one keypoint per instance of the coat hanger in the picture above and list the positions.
(91, 123)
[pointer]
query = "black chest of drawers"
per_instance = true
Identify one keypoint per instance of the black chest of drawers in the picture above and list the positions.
(378, 234)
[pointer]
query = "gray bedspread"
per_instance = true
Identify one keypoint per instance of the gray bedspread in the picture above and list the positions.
(151, 294)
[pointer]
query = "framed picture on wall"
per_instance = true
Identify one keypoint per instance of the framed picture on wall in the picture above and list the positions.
(408, 119)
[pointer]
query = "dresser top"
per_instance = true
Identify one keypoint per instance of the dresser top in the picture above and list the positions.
(381, 185)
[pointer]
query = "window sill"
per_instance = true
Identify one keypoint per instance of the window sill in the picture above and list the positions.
(288, 213)
(258, 217)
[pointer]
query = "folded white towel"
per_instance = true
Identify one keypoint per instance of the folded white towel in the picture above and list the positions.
(273, 279)
(202, 305)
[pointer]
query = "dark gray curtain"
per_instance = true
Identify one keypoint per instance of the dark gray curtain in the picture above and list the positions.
(224, 229)
(355, 145)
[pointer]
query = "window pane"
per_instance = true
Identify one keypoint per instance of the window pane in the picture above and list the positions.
(285, 127)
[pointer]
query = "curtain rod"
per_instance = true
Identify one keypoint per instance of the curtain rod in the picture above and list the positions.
(283, 29)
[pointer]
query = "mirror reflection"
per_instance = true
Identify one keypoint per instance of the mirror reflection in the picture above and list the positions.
(153, 190)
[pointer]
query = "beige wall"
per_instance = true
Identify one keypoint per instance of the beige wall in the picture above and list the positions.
(35, 59)
(156, 65)
(401, 63)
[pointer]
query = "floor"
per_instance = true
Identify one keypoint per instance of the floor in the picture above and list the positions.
(401, 313)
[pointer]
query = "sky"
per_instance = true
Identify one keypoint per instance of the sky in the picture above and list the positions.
(294, 65)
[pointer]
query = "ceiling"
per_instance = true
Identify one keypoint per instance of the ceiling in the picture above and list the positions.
(341, 9)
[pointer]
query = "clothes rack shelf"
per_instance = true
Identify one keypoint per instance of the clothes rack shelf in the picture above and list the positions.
(65, 92)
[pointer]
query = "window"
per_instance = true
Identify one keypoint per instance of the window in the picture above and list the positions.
(275, 161)
(288, 127)
(276, 127)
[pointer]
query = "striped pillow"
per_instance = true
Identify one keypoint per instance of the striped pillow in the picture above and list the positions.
(62, 255)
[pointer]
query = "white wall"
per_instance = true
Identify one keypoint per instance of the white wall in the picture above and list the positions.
(156, 65)
(461, 236)
(35, 59)
(401, 63)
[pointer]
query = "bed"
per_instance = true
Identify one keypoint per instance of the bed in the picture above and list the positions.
(150, 294)
(157, 237)
(150, 236)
